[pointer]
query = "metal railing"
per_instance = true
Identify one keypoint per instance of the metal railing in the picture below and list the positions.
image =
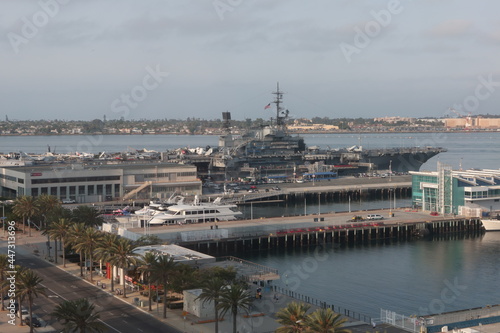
(322, 304)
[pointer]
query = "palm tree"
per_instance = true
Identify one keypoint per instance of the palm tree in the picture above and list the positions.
(123, 258)
(326, 321)
(47, 206)
(87, 243)
(25, 207)
(234, 298)
(75, 232)
(78, 315)
(87, 215)
(30, 287)
(105, 252)
(4, 266)
(292, 317)
(59, 230)
(147, 261)
(160, 272)
(211, 292)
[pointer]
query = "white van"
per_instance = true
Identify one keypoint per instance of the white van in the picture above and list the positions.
(374, 217)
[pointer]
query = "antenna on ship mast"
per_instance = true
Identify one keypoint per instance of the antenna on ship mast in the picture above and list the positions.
(280, 120)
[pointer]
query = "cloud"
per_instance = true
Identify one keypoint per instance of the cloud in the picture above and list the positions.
(451, 28)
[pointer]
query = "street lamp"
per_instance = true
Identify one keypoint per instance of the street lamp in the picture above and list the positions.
(390, 170)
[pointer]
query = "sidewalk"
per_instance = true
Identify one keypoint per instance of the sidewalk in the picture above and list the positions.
(260, 318)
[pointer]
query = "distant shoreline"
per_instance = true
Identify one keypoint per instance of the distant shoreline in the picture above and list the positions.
(291, 133)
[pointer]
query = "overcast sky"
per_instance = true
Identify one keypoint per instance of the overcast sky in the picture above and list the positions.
(62, 59)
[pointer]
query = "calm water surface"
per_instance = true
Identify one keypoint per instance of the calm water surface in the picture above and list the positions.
(419, 277)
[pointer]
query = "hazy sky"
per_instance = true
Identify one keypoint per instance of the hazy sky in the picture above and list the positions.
(62, 59)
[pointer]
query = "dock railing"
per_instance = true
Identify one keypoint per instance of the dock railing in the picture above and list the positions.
(324, 305)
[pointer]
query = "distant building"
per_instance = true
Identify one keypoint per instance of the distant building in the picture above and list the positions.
(470, 192)
(472, 123)
(100, 181)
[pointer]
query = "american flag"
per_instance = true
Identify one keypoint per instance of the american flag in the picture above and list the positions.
(268, 106)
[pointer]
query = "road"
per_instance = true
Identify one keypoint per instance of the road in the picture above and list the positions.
(118, 315)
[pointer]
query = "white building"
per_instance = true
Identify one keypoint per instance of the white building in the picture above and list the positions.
(100, 181)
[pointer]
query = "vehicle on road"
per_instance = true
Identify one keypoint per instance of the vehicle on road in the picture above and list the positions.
(68, 201)
(356, 218)
(35, 322)
(374, 217)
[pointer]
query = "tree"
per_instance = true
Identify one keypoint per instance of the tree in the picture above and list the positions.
(235, 298)
(25, 207)
(160, 272)
(211, 292)
(105, 252)
(87, 243)
(60, 231)
(47, 205)
(292, 317)
(123, 258)
(78, 315)
(4, 266)
(75, 232)
(326, 321)
(87, 215)
(30, 287)
(147, 261)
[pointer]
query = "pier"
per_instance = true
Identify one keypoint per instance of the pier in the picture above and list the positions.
(335, 189)
(347, 234)
(333, 229)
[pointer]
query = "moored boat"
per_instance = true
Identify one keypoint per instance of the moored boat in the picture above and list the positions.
(491, 224)
(197, 212)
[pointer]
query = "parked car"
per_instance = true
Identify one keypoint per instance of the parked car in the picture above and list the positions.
(68, 201)
(35, 322)
(434, 213)
(374, 217)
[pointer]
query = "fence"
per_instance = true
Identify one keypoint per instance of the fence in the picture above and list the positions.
(323, 305)
(411, 324)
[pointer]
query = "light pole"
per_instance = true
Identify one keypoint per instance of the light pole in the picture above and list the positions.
(319, 203)
(390, 170)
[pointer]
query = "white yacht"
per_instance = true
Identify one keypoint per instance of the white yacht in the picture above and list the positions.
(491, 225)
(197, 212)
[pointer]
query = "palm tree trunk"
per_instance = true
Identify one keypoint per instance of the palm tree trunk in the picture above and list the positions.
(30, 305)
(91, 264)
(19, 311)
(234, 320)
(112, 279)
(216, 316)
(81, 264)
(164, 300)
(124, 286)
(63, 253)
(149, 297)
(55, 250)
